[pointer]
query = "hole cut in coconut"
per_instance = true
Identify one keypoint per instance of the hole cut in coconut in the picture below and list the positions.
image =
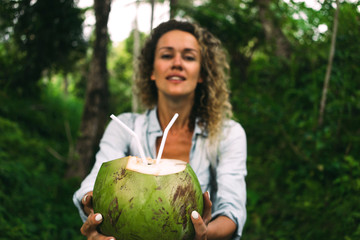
(164, 167)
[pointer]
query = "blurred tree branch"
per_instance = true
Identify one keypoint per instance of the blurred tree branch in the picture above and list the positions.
(329, 66)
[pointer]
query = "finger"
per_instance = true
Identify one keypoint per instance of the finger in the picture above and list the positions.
(199, 225)
(87, 202)
(99, 236)
(207, 208)
(87, 199)
(89, 226)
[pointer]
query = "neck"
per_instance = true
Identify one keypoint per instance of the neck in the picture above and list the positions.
(167, 109)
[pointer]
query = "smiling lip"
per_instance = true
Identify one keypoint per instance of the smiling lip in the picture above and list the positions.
(175, 78)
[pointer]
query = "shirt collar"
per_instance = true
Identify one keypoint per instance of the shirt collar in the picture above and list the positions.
(154, 125)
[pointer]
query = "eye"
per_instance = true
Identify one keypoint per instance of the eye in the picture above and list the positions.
(166, 56)
(189, 58)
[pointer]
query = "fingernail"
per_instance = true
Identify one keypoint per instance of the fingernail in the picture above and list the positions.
(208, 194)
(84, 200)
(98, 217)
(195, 214)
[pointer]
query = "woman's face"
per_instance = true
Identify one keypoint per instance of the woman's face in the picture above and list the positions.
(177, 64)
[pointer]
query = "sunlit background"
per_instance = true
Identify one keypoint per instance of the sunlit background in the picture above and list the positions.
(123, 14)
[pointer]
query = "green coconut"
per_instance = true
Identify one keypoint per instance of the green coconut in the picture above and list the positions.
(147, 201)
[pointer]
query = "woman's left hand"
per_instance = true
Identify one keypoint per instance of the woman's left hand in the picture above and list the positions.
(201, 223)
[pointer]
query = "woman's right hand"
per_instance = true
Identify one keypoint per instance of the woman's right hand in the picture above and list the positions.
(89, 228)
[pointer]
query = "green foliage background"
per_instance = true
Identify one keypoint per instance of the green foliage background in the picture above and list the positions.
(303, 179)
(35, 199)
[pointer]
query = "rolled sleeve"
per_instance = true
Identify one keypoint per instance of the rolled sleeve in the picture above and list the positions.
(230, 177)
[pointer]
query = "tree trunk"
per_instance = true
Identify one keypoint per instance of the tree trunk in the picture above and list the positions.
(173, 8)
(95, 113)
(329, 66)
(273, 33)
(152, 14)
(136, 50)
(66, 84)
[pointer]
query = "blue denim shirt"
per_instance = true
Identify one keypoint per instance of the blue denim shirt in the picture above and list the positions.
(220, 167)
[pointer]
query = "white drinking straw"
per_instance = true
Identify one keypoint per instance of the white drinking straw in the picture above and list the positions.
(134, 135)
(164, 137)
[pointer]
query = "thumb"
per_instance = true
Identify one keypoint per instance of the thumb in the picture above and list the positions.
(199, 225)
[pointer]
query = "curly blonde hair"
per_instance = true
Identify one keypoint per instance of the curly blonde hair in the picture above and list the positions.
(212, 105)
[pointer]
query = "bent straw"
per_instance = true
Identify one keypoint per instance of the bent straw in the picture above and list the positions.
(134, 135)
(164, 137)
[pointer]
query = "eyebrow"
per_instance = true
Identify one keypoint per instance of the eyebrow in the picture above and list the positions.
(186, 49)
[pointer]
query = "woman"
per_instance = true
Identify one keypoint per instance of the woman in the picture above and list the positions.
(183, 69)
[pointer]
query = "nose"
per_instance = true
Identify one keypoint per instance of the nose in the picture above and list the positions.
(177, 62)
